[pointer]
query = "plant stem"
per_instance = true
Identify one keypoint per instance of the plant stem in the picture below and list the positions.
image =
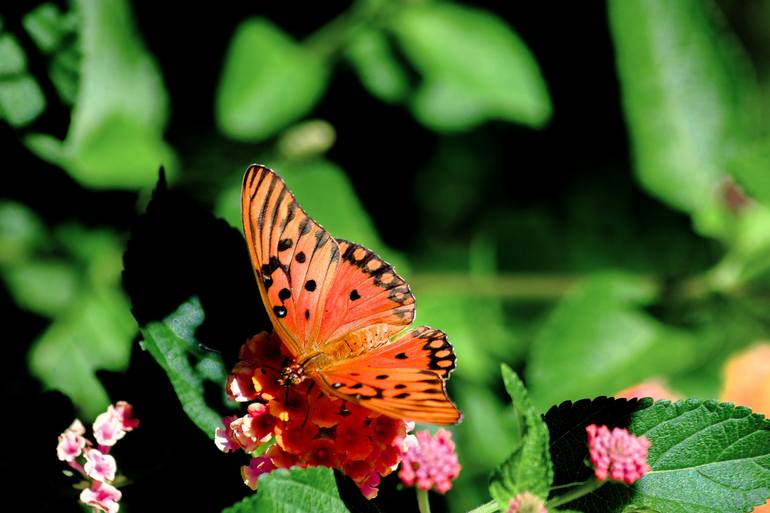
(329, 39)
(489, 507)
(589, 486)
(423, 503)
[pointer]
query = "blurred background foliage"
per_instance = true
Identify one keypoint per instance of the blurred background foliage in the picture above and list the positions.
(580, 191)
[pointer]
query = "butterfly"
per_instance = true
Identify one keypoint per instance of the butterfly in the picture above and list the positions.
(341, 311)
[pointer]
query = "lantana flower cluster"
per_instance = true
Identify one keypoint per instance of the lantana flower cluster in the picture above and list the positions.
(526, 502)
(616, 454)
(429, 461)
(93, 460)
(302, 425)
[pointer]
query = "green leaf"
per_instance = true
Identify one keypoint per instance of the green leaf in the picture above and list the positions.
(21, 231)
(172, 343)
(705, 457)
(47, 26)
(92, 327)
(46, 287)
(377, 68)
(94, 333)
(686, 93)
(310, 490)
(529, 467)
(268, 81)
(115, 139)
(21, 99)
(474, 68)
(598, 341)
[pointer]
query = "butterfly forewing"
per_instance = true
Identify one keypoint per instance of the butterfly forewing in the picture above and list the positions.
(291, 254)
(338, 300)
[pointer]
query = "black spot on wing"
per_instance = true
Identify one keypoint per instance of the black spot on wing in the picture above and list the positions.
(354, 295)
(310, 285)
(300, 257)
(279, 311)
(285, 244)
(284, 294)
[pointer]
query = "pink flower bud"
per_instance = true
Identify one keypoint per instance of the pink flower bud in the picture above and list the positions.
(222, 438)
(102, 496)
(430, 462)
(617, 455)
(258, 466)
(71, 444)
(125, 414)
(99, 466)
(526, 503)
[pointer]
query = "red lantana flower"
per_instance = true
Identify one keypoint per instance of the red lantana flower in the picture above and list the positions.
(304, 426)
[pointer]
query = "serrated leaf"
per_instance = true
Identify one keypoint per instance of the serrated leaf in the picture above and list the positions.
(172, 344)
(705, 457)
(529, 468)
(311, 490)
(687, 92)
(474, 67)
(599, 341)
(268, 81)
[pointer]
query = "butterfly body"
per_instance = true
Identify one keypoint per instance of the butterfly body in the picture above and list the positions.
(341, 311)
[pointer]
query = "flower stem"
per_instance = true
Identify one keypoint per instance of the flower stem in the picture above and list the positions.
(423, 503)
(489, 507)
(584, 489)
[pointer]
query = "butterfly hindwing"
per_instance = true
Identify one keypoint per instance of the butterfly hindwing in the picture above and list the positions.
(402, 379)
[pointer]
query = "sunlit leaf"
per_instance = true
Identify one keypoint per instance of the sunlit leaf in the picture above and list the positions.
(267, 82)
(116, 135)
(377, 67)
(310, 490)
(93, 334)
(686, 94)
(599, 341)
(21, 99)
(474, 68)
(528, 468)
(21, 231)
(44, 287)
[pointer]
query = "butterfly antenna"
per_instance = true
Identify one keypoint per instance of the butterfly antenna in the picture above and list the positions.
(207, 349)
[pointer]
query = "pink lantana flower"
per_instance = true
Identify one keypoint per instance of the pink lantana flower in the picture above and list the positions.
(71, 444)
(222, 437)
(258, 466)
(526, 503)
(429, 461)
(617, 454)
(99, 466)
(124, 412)
(108, 429)
(102, 496)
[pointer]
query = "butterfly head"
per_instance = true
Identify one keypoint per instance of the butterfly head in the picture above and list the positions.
(293, 374)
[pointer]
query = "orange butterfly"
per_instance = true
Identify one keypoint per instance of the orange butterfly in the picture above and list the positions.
(340, 311)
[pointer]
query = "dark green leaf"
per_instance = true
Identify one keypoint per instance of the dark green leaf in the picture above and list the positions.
(311, 490)
(705, 457)
(268, 81)
(529, 467)
(172, 343)
(474, 68)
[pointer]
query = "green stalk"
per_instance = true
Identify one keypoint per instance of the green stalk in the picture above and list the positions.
(423, 503)
(589, 486)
